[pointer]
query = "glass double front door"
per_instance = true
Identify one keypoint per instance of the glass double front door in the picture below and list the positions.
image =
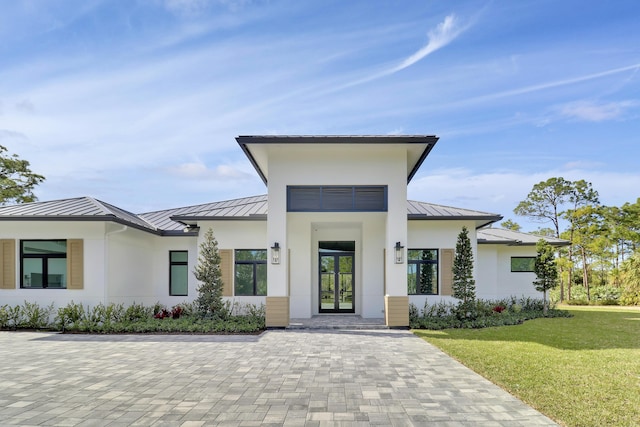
(337, 277)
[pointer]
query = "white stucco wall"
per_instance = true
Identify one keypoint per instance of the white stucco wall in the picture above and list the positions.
(92, 233)
(507, 284)
(161, 247)
(306, 230)
(231, 234)
(341, 164)
(436, 234)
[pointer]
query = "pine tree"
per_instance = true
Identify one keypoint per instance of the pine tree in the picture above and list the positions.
(546, 270)
(207, 272)
(464, 285)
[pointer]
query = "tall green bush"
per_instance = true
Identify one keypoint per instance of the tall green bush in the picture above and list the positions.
(464, 285)
(208, 273)
(630, 275)
(545, 269)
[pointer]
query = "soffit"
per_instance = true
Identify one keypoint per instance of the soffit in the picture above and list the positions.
(258, 147)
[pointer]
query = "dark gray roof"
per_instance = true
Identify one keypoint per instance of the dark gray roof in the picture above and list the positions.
(76, 209)
(173, 221)
(430, 211)
(514, 238)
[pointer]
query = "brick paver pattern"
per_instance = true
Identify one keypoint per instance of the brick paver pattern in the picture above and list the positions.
(278, 378)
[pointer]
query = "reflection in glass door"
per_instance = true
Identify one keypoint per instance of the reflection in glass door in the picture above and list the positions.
(337, 277)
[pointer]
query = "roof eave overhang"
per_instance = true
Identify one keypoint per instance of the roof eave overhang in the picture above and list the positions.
(81, 218)
(193, 219)
(517, 243)
(245, 140)
(481, 221)
(421, 160)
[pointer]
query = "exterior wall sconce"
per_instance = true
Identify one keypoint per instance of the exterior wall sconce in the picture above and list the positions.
(399, 253)
(275, 253)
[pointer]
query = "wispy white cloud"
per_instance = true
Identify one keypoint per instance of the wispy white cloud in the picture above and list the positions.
(593, 111)
(193, 8)
(444, 33)
(440, 36)
(582, 165)
(551, 84)
(501, 191)
(8, 134)
(396, 131)
(198, 170)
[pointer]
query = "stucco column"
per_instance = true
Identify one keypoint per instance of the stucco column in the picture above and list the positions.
(277, 302)
(396, 299)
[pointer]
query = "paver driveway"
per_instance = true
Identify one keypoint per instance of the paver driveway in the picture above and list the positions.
(296, 378)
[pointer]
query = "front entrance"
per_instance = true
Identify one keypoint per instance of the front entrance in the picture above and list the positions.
(337, 276)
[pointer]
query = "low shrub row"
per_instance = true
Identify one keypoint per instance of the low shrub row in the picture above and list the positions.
(136, 318)
(484, 313)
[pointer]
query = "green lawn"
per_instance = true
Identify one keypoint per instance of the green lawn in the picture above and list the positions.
(579, 371)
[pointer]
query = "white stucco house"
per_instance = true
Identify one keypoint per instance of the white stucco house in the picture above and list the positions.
(335, 233)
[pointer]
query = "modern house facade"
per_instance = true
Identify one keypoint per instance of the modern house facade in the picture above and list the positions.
(334, 234)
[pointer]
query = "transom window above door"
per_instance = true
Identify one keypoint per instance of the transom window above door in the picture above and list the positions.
(341, 198)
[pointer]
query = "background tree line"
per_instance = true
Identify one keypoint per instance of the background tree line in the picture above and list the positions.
(602, 261)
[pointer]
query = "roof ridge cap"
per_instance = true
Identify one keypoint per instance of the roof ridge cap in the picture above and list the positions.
(106, 206)
(99, 204)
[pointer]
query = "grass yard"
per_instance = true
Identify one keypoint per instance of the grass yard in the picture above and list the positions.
(579, 371)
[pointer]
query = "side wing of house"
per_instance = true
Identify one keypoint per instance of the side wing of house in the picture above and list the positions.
(506, 271)
(430, 255)
(52, 262)
(506, 263)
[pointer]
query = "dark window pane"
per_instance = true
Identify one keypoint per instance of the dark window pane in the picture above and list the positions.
(422, 272)
(179, 256)
(179, 280)
(32, 270)
(57, 273)
(428, 279)
(261, 279)
(411, 279)
(523, 264)
(44, 247)
(251, 255)
(244, 279)
(43, 264)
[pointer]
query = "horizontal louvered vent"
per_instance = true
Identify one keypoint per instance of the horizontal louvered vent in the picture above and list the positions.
(360, 198)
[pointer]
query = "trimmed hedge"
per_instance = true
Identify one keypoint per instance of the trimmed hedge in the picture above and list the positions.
(484, 314)
(136, 318)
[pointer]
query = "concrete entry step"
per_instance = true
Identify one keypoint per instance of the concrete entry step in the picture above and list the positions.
(337, 321)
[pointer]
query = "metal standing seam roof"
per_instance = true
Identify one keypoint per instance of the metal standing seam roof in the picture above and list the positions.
(172, 221)
(514, 238)
(75, 209)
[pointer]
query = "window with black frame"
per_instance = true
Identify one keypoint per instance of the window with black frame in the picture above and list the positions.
(523, 264)
(422, 272)
(178, 273)
(43, 264)
(251, 272)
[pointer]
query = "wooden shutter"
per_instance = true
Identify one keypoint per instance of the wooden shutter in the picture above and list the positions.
(446, 271)
(226, 271)
(75, 264)
(7, 264)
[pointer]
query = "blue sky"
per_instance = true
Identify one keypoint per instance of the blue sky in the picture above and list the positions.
(137, 103)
